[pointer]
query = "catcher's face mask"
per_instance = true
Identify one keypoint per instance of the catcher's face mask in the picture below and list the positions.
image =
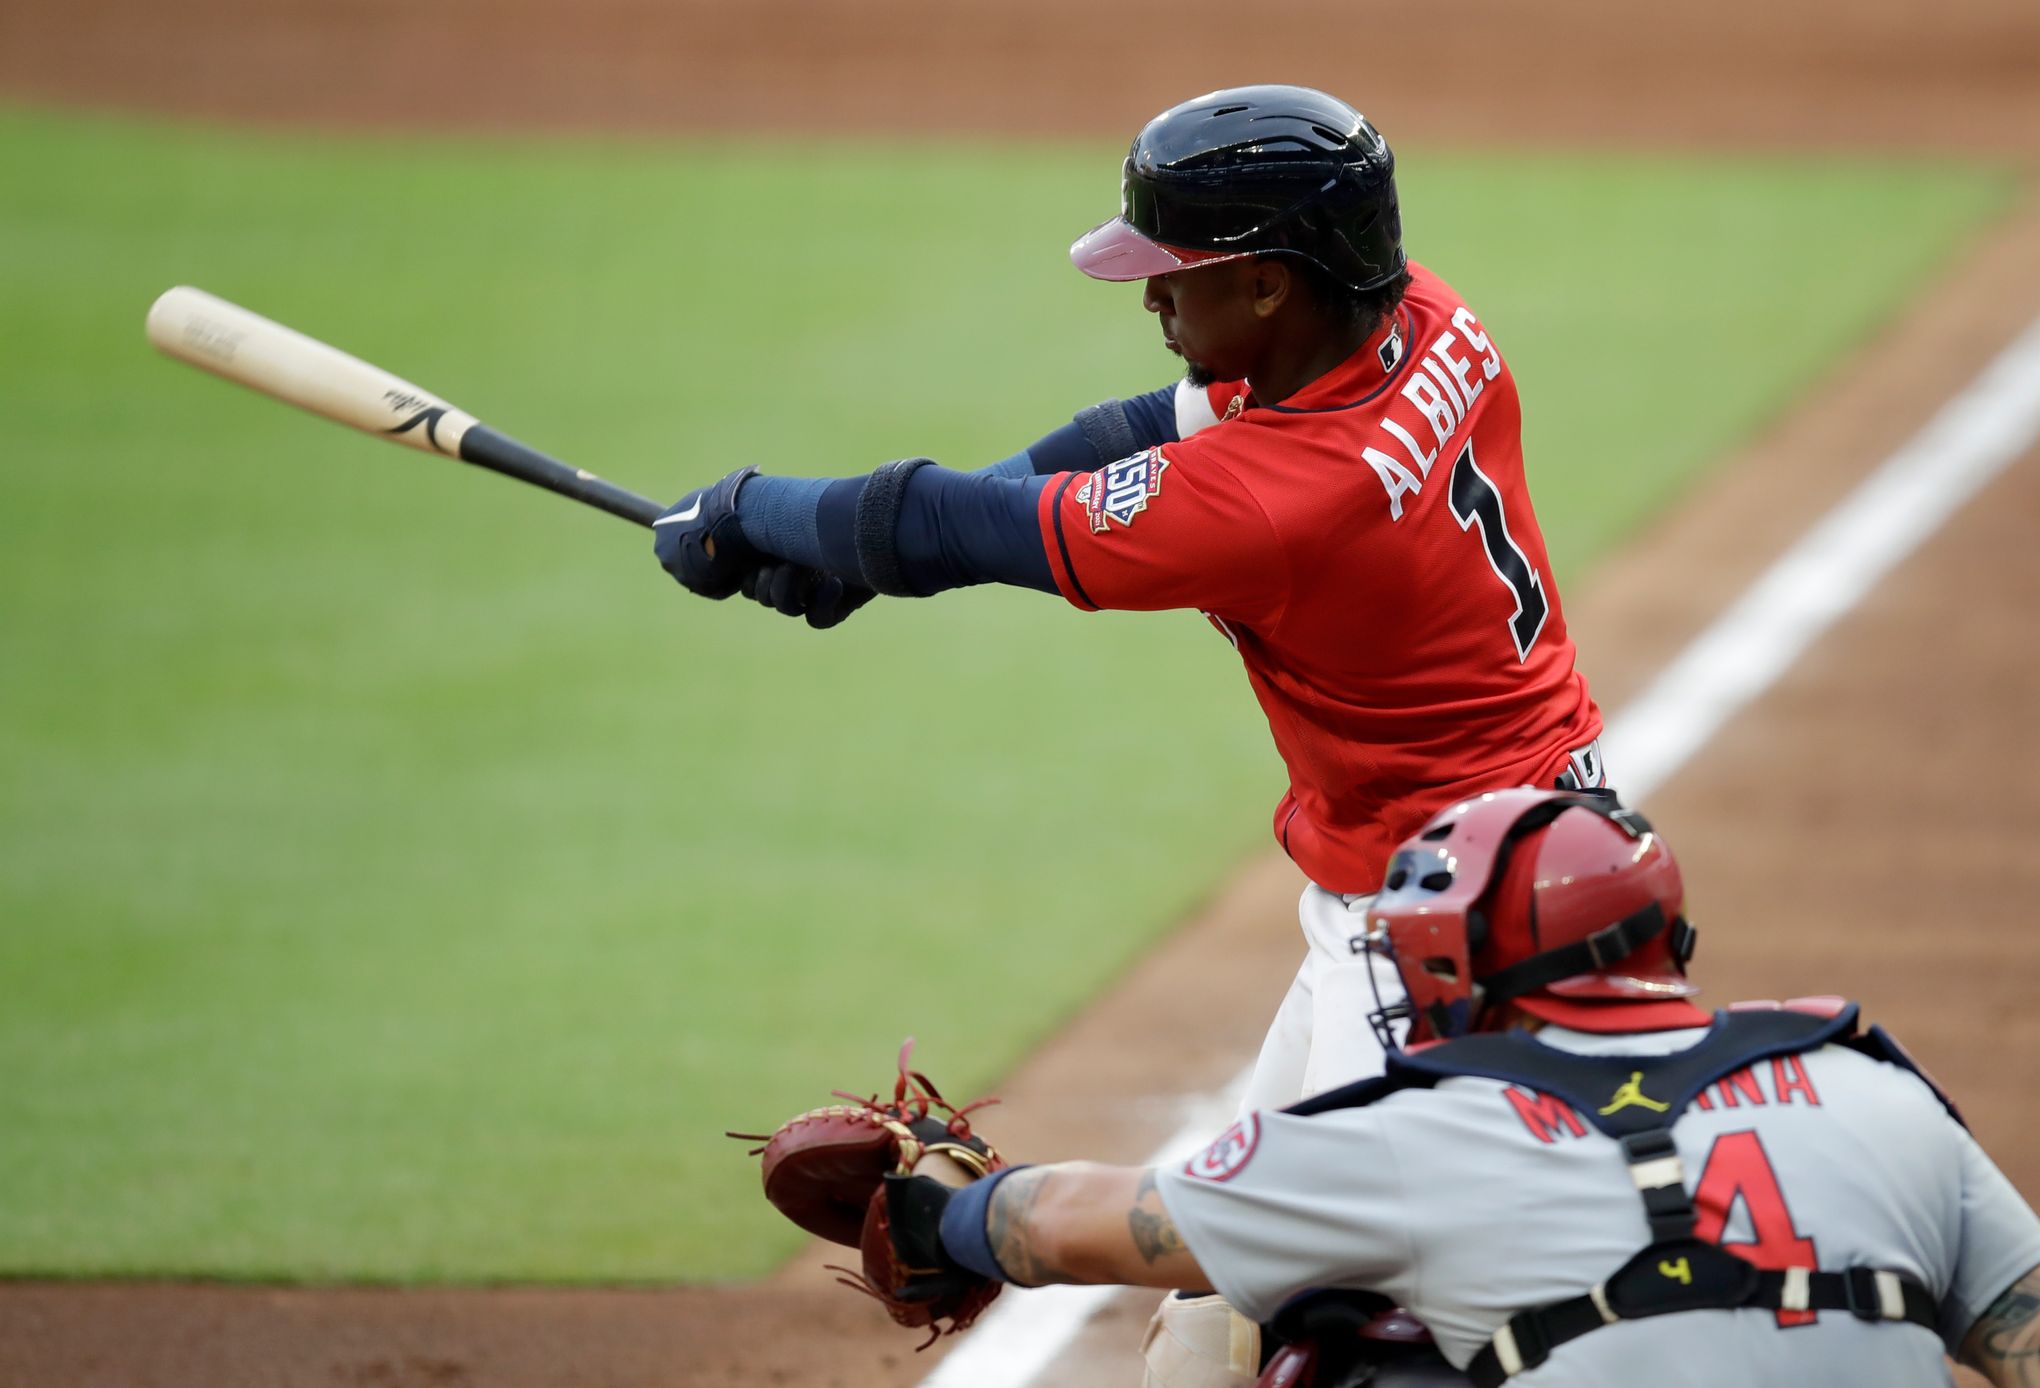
(1562, 901)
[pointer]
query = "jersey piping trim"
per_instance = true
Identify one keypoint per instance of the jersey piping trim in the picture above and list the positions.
(1063, 544)
(1402, 315)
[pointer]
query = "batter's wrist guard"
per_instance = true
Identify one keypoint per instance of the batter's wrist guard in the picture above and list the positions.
(1109, 432)
(878, 524)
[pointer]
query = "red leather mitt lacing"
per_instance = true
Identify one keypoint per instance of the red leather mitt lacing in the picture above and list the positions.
(825, 1170)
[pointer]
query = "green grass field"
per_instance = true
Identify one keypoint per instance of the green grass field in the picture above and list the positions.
(400, 879)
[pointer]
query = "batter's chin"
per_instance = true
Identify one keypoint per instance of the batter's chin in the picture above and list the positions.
(1197, 374)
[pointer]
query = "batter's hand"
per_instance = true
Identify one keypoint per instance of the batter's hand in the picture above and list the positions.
(797, 591)
(701, 543)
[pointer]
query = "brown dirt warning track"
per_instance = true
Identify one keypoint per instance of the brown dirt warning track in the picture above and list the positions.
(1865, 828)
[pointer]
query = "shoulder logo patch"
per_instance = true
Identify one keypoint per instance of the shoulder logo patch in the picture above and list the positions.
(1391, 349)
(1120, 491)
(1229, 1155)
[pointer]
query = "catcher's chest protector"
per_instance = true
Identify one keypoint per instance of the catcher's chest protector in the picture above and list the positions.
(1635, 1099)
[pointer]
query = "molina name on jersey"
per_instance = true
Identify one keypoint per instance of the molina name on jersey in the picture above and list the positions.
(1476, 1199)
(1368, 547)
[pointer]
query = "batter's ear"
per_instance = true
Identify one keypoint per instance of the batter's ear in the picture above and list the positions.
(1274, 284)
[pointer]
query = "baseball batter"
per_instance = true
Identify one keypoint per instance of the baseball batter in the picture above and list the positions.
(1337, 484)
(1583, 1179)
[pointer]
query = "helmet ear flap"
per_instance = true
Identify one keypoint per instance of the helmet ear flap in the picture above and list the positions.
(1476, 930)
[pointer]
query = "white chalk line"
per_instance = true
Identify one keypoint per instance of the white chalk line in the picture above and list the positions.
(1968, 442)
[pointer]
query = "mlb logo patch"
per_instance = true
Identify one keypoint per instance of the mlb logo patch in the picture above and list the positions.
(1120, 491)
(1390, 350)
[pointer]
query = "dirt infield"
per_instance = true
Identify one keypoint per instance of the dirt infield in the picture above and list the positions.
(1858, 831)
(1953, 74)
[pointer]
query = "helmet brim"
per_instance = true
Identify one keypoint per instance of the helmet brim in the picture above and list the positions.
(1609, 1015)
(1114, 250)
(1619, 984)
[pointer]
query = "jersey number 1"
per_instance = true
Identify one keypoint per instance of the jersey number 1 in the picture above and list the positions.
(1739, 1168)
(1475, 501)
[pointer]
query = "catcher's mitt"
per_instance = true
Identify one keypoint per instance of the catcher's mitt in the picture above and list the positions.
(844, 1173)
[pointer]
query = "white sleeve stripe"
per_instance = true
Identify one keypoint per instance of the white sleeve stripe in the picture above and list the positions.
(1599, 1292)
(1193, 410)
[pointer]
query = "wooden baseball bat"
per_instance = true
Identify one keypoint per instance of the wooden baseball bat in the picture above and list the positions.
(227, 340)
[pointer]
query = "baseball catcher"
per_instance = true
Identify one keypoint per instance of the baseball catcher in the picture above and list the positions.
(1568, 1171)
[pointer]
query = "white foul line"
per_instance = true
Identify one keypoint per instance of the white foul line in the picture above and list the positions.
(1972, 438)
(1969, 441)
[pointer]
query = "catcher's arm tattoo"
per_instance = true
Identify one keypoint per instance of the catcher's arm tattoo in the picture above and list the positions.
(1015, 1227)
(1086, 1223)
(1154, 1233)
(2004, 1344)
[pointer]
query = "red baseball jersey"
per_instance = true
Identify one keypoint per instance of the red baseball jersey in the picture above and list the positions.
(1368, 547)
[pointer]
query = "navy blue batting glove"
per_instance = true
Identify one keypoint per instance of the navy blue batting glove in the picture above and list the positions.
(833, 602)
(701, 543)
(793, 590)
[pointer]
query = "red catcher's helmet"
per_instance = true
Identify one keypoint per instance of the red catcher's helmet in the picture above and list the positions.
(1562, 902)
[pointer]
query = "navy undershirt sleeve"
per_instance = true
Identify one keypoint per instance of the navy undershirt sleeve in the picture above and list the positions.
(778, 515)
(836, 524)
(1152, 417)
(958, 528)
(955, 528)
(1064, 450)
(1021, 464)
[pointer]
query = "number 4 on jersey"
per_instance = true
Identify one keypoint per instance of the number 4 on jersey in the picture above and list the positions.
(1475, 501)
(1739, 1168)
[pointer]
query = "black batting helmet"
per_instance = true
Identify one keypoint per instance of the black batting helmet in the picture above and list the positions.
(1250, 170)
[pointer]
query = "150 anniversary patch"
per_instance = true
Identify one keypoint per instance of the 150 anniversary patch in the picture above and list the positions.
(1120, 491)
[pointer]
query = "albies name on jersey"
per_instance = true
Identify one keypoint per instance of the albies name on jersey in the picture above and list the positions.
(1439, 392)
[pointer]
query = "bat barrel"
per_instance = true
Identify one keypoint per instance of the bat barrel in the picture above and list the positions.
(214, 335)
(221, 337)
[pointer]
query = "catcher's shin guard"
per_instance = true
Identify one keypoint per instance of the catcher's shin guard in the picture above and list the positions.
(1200, 1342)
